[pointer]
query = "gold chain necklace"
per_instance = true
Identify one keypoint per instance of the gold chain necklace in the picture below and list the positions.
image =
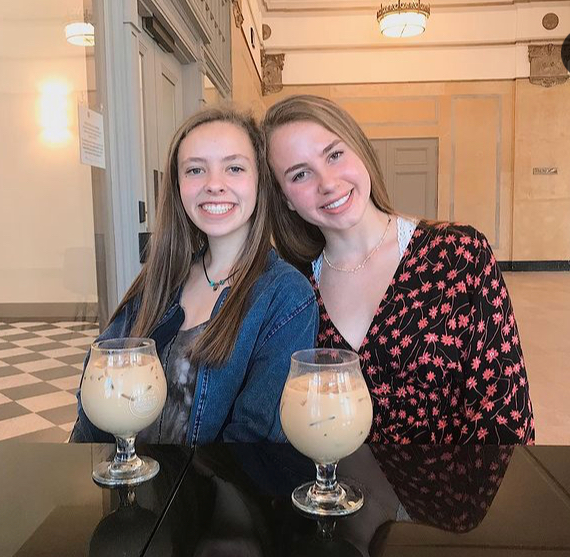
(361, 265)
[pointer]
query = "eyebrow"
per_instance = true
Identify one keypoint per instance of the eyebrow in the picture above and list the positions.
(229, 158)
(326, 150)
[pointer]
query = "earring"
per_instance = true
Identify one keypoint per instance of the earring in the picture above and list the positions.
(290, 206)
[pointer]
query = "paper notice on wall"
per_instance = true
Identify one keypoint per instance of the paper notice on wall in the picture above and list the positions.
(91, 137)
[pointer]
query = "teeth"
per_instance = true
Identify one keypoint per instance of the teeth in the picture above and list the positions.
(338, 203)
(217, 208)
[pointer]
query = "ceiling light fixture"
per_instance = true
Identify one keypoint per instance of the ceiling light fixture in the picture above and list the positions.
(404, 19)
(80, 32)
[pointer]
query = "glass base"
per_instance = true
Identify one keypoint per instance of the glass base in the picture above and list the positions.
(137, 471)
(345, 499)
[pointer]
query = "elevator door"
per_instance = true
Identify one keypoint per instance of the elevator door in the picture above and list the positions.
(162, 113)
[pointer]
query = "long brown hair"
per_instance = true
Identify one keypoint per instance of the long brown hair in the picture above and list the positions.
(177, 240)
(296, 240)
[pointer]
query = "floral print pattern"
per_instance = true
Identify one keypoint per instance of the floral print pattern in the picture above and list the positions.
(451, 488)
(442, 356)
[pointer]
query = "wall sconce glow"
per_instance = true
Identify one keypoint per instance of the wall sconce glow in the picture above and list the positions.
(80, 33)
(404, 19)
(54, 112)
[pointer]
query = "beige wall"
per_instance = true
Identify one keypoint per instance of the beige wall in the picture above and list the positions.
(473, 122)
(491, 133)
(246, 85)
(541, 204)
(46, 208)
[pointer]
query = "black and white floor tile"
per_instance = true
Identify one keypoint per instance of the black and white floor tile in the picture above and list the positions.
(40, 369)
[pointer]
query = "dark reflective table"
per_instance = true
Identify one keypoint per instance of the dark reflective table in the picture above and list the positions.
(50, 506)
(234, 500)
(471, 501)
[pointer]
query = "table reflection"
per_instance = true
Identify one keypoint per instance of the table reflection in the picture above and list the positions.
(449, 487)
(124, 528)
(51, 506)
(237, 498)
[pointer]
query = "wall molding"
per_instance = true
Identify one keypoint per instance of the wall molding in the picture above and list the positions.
(359, 6)
(84, 311)
(401, 99)
(535, 266)
(546, 67)
(272, 67)
(498, 163)
(238, 14)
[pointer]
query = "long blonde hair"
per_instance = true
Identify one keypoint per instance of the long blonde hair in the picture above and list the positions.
(298, 241)
(177, 240)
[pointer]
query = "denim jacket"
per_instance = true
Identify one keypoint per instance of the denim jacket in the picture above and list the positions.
(240, 400)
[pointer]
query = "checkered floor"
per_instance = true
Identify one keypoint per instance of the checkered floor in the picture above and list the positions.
(40, 369)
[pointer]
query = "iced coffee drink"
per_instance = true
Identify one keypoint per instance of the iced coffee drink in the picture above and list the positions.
(123, 399)
(326, 417)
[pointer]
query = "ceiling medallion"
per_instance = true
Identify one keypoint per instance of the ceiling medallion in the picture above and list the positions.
(404, 19)
(550, 21)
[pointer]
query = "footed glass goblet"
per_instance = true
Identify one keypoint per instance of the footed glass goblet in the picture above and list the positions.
(326, 413)
(123, 392)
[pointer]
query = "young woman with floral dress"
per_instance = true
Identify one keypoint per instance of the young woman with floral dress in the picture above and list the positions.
(423, 303)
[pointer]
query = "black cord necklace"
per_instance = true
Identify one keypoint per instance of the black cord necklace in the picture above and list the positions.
(215, 285)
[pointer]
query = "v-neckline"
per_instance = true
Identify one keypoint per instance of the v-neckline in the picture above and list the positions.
(383, 301)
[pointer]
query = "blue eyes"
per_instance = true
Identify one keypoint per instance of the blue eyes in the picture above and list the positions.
(302, 175)
(194, 171)
(299, 176)
(197, 171)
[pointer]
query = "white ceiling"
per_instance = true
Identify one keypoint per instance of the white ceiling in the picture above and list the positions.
(367, 5)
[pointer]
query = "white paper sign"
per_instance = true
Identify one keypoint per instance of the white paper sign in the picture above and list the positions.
(91, 137)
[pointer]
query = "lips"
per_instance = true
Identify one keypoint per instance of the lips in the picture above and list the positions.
(339, 202)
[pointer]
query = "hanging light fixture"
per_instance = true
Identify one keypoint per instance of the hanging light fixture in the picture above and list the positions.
(404, 19)
(80, 30)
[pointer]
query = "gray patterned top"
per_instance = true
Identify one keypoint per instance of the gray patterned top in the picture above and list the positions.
(171, 427)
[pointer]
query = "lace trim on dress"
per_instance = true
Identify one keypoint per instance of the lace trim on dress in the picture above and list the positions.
(406, 228)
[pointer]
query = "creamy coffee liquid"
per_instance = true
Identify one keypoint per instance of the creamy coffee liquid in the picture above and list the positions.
(124, 400)
(323, 419)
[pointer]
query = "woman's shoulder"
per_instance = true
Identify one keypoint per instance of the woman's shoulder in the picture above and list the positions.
(283, 276)
(281, 292)
(438, 232)
(448, 246)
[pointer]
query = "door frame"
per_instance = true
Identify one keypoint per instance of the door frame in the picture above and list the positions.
(117, 73)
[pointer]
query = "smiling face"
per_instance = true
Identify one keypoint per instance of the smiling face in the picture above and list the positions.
(217, 176)
(321, 176)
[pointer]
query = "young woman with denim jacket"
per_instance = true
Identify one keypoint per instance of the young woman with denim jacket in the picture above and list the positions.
(225, 312)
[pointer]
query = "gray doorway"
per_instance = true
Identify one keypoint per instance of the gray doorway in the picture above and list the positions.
(410, 172)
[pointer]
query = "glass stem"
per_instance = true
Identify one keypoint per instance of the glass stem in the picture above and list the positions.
(125, 450)
(326, 489)
(326, 477)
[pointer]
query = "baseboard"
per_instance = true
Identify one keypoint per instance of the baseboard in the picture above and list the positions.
(50, 311)
(563, 265)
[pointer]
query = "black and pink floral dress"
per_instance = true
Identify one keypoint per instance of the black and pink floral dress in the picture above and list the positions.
(442, 356)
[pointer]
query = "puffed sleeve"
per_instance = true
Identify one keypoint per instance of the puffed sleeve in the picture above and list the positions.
(497, 400)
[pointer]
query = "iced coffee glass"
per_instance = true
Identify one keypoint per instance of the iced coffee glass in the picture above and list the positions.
(326, 413)
(123, 392)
